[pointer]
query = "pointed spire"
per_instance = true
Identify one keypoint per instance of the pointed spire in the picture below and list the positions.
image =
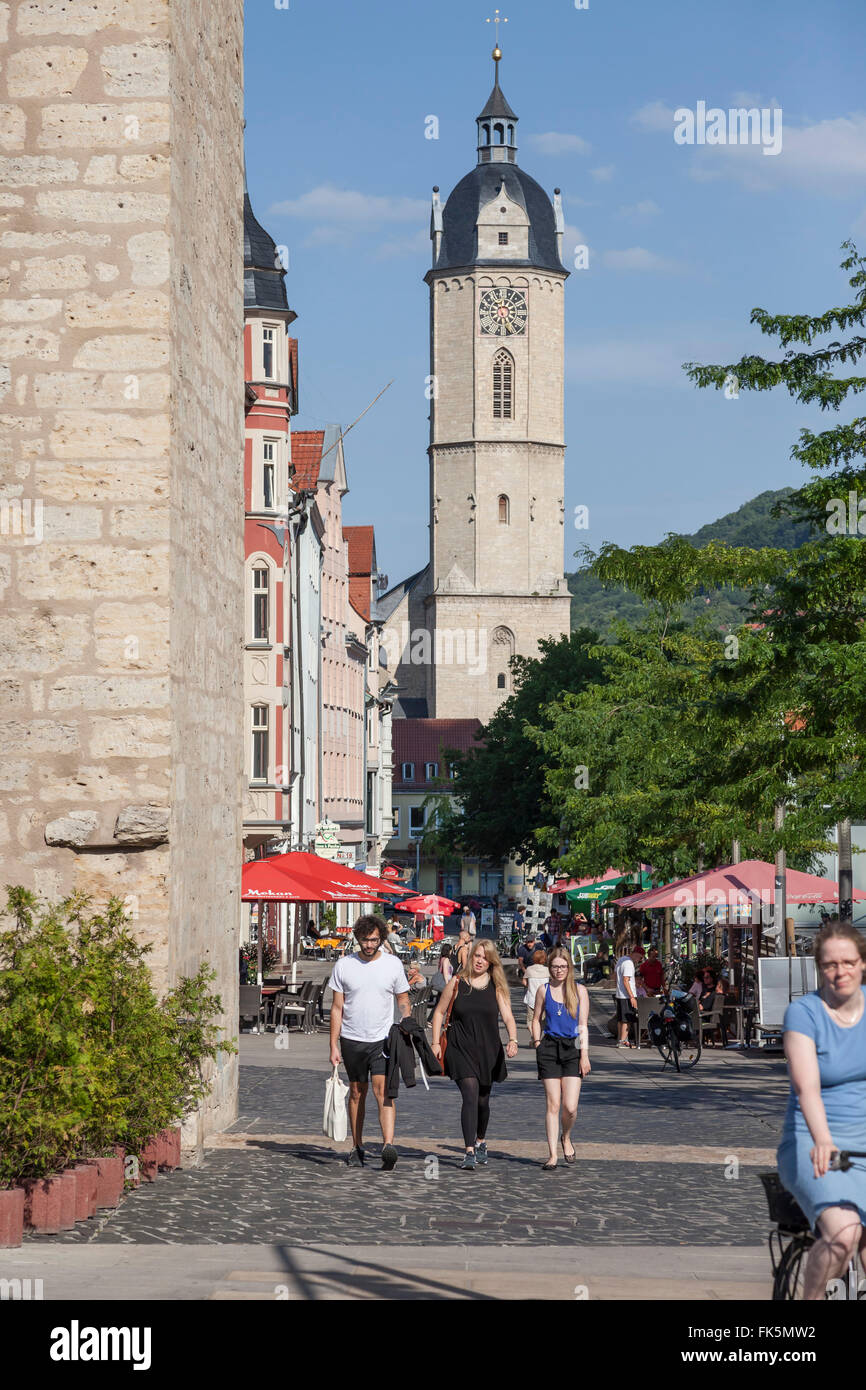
(497, 124)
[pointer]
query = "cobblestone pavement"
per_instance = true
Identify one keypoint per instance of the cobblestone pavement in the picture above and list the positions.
(284, 1183)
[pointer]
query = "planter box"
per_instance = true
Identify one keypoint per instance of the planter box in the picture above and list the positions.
(43, 1199)
(11, 1217)
(148, 1160)
(68, 1183)
(171, 1149)
(86, 1177)
(109, 1180)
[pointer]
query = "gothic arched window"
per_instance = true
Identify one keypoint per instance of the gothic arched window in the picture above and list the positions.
(511, 135)
(486, 134)
(503, 386)
(504, 510)
(499, 132)
(500, 681)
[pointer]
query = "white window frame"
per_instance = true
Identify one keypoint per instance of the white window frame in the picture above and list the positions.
(261, 567)
(416, 832)
(410, 776)
(269, 339)
(431, 771)
(257, 729)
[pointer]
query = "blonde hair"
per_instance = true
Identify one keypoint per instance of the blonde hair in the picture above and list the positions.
(569, 989)
(494, 965)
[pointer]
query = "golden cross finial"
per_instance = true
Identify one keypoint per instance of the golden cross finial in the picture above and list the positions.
(497, 52)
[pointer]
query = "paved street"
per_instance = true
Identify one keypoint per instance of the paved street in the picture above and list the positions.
(664, 1200)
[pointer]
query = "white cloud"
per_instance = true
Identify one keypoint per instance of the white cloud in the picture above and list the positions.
(328, 204)
(418, 243)
(828, 156)
(641, 210)
(637, 258)
(603, 174)
(654, 116)
(557, 142)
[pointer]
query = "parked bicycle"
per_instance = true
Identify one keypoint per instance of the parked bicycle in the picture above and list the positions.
(793, 1237)
(676, 1032)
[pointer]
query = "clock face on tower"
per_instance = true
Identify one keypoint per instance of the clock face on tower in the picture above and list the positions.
(503, 312)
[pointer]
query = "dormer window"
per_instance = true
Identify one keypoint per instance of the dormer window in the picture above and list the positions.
(431, 771)
(408, 772)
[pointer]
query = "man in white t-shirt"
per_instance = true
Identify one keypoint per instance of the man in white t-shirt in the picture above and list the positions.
(626, 998)
(362, 1011)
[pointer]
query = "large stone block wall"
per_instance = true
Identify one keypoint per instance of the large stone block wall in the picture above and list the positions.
(121, 488)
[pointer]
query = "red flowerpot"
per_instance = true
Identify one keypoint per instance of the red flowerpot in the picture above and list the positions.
(11, 1216)
(87, 1178)
(109, 1180)
(42, 1203)
(148, 1160)
(68, 1183)
(171, 1148)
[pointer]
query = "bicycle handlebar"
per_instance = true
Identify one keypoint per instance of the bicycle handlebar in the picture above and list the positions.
(840, 1159)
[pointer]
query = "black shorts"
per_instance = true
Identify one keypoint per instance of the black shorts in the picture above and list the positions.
(363, 1059)
(557, 1057)
(624, 1011)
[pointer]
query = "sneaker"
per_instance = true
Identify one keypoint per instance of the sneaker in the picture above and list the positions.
(389, 1158)
(468, 1162)
(481, 1153)
(355, 1159)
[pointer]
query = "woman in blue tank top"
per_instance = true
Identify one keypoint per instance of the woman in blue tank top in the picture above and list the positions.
(562, 1052)
(825, 1044)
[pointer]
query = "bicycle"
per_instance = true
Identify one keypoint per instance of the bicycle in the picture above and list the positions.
(794, 1237)
(676, 1033)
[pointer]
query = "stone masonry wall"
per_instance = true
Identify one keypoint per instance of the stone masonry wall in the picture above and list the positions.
(121, 503)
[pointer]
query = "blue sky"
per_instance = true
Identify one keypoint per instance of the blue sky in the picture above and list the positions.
(683, 240)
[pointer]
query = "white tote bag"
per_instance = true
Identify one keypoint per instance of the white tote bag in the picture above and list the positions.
(335, 1121)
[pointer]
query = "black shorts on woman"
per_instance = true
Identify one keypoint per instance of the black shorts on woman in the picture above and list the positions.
(556, 1058)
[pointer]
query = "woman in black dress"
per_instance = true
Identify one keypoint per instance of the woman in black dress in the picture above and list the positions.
(474, 1056)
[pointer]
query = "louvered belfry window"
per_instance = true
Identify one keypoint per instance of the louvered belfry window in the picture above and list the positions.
(503, 386)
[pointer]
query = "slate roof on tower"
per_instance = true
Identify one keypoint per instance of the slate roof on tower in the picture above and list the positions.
(460, 214)
(264, 275)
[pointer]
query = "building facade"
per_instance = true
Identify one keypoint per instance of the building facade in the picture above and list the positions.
(120, 257)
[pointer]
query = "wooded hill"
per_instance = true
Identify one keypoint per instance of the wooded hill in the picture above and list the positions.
(752, 524)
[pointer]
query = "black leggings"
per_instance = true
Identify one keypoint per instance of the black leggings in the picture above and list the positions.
(475, 1111)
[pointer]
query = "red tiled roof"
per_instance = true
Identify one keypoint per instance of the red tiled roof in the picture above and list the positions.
(307, 448)
(421, 741)
(360, 545)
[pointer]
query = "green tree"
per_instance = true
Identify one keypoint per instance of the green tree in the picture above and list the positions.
(498, 796)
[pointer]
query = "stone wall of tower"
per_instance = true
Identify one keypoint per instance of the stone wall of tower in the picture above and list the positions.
(121, 555)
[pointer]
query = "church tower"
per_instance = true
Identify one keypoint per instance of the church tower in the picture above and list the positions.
(495, 581)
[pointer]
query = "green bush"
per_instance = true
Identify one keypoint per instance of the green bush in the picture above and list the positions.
(89, 1056)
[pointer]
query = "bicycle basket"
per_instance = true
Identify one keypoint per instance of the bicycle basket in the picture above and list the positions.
(784, 1210)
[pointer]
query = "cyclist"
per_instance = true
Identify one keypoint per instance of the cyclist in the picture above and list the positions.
(825, 1045)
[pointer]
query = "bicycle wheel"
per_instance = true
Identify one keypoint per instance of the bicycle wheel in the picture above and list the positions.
(788, 1281)
(688, 1053)
(667, 1048)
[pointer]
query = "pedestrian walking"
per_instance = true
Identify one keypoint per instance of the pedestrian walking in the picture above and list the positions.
(474, 1057)
(560, 1032)
(626, 997)
(467, 922)
(537, 974)
(362, 1011)
(461, 949)
(825, 1046)
(444, 971)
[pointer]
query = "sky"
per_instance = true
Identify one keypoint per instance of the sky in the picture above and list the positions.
(683, 239)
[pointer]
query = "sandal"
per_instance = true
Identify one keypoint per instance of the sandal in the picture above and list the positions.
(569, 1158)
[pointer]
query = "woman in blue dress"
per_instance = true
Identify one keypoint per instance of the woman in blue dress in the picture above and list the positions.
(825, 1044)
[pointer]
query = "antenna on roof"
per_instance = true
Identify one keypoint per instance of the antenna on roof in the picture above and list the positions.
(343, 433)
